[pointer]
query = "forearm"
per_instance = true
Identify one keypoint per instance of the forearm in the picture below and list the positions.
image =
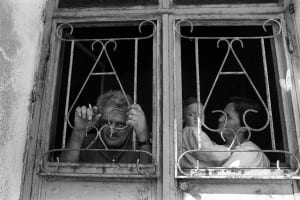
(74, 142)
(215, 153)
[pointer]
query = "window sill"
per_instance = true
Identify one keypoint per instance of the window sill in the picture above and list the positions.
(239, 173)
(99, 170)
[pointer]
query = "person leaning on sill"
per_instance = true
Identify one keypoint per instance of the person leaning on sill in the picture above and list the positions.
(190, 139)
(115, 120)
(234, 110)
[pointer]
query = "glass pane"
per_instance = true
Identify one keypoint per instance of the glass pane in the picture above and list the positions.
(103, 3)
(185, 2)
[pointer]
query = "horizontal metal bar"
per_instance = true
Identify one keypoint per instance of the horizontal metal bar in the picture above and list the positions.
(102, 73)
(96, 175)
(232, 73)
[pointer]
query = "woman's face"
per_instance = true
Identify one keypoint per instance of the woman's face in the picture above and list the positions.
(190, 115)
(233, 122)
(114, 137)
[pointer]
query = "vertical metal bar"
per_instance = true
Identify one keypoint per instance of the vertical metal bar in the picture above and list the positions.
(68, 93)
(198, 91)
(262, 41)
(102, 80)
(156, 91)
(117, 77)
(136, 41)
(177, 89)
(135, 85)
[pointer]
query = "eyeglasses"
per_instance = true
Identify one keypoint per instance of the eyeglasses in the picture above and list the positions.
(112, 124)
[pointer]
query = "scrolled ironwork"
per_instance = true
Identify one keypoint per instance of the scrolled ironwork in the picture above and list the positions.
(179, 23)
(62, 26)
(197, 167)
(144, 172)
(153, 30)
(102, 51)
(116, 165)
(219, 129)
(255, 111)
(244, 72)
(268, 21)
(60, 29)
(231, 49)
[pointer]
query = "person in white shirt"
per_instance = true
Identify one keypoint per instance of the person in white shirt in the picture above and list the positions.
(235, 133)
(192, 140)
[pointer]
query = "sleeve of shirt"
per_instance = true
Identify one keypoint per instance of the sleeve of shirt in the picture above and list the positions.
(248, 159)
(210, 153)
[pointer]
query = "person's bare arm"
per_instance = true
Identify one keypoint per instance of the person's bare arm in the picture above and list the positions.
(84, 118)
(209, 151)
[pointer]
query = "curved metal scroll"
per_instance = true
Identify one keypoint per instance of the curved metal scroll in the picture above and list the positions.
(244, 72)
(103, 51)
(264, 25)
(230, 49)
(147, 173)
(66, 26)
(197, 167)
(104, 44)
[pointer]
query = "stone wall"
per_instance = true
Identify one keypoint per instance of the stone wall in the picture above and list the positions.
(20, 39)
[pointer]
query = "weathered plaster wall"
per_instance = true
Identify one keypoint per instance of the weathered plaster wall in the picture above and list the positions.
(20, 35)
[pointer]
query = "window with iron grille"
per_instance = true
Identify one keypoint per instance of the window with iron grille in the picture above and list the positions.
(219, 61)
(93, 58)
(93, 51)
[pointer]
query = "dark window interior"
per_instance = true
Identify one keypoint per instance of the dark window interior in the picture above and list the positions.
(210, 60)
(103, 3)
(84, 59)
(186, 2)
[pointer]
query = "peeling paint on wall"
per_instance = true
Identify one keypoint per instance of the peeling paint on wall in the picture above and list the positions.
(20, 34)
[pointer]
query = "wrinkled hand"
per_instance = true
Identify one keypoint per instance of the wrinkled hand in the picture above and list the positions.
(137, 119)
(86, 117)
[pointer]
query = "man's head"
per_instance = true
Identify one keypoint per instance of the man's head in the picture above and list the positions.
(235, 110)
(190, 112)
(113, 107)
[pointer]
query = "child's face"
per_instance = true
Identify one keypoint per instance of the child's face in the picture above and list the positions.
(190, 114)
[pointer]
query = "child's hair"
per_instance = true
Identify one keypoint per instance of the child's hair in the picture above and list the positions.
(188, 102)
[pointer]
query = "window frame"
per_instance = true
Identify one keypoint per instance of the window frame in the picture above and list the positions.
(167, 185)
(164, 13)
(282, 64)
(56, 168)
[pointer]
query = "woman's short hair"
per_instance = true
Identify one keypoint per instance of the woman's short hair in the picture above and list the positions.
(241, 105)
(114, 97)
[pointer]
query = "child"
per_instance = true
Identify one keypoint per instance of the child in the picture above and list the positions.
(196, 139)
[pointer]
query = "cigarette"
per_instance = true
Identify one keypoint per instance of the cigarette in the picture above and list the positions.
(90, 117)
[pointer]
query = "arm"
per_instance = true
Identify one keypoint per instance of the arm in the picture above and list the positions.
(209, 153)
(83, 117)
(137, 119)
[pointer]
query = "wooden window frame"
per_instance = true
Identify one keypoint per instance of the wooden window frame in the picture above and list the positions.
(282, 65)
(101, 169)
(169, 101)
